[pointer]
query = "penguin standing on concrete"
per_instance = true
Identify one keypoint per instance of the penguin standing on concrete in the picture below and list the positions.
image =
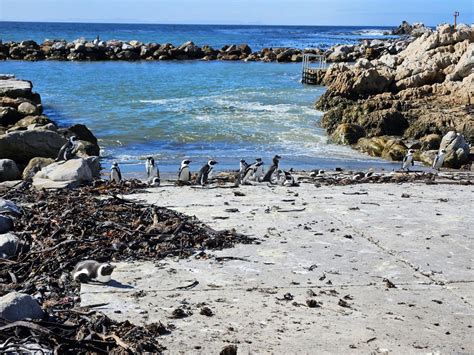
(115, 174)
(152, 172)
(273, 169)
(184, 174)
(203, 175)
(439, 160)
(408, 160)
(68, 150)
(92, 270)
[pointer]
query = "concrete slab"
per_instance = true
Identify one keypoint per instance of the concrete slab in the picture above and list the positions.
(334, 245)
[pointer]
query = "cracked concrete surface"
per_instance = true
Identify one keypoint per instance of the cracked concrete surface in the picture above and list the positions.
(335, 245)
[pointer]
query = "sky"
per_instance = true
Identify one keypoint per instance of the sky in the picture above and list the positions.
(241, 12)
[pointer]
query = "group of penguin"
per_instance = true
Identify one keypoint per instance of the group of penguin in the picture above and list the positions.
(247, 175)
(438, 161)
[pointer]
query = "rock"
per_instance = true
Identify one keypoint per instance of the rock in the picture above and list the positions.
(29, 120)
(28, 109)
(9, 116)
(427, 157)
(373, 146)
(8, 170)
(15, 306)
(35, 165)
(83, 133)
(70, 173)
(16, 88)
(394, 149)
(457, 150)
(347, 134)
(8, 245)
(22, 146)
(9, 207)
(430, 141)
(465, 66)
(6, 224)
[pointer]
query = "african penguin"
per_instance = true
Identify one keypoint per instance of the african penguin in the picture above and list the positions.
(184, 174)
(250, 173)
(408, 160)
(152, 172)
(203, 175)
(273, 169)
(68, 150)
(243, 166)
(439, 159)
(289, 180)
(115, 174)
(92, 270)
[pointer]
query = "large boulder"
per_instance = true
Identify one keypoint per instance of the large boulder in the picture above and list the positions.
(8, 170)
(28, 109)
(394, 149)
(8, 245)
(465, 66)
(70, 173)
(9, 116)
(35, 165)
(457, 150)
(15, 306)
(373, 146)
(430, 141)
(6, 224)
(22, 146)
(347, 133)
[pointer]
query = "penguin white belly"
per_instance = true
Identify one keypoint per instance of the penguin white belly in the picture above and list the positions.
(114, 176)
(184, 174)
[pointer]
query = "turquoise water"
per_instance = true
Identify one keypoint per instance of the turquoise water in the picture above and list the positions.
(172, 110)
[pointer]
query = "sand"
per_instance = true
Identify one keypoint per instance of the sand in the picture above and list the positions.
(389, 274)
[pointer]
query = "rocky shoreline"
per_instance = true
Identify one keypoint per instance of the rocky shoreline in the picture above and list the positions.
(30, 141)
(420, 98)
(113, 50)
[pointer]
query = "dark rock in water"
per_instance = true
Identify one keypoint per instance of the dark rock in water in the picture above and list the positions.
(17, 306)
(8, 170)
(6, 224)
(8, 245)
(83, 133)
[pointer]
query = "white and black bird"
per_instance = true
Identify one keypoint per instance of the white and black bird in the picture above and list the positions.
(408, 160)
(288, 179)
(242, 168)
(273, 169)
(68, 150)
(115, 174)
(203, 176)
(88, 270)
(184, 173)
(439, 159)
(152, 172)
(250, 173)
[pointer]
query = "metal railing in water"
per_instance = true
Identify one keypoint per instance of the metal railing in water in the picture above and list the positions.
(312, 63)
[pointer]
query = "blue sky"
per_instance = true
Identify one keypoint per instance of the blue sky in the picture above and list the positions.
(264, 12)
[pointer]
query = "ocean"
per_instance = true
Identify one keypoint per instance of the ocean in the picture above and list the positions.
(192, 109)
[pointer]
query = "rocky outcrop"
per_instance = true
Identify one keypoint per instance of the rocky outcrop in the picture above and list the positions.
(424, 91)
(8, 245)
(28, 138)
(416, 30)
(82, 50)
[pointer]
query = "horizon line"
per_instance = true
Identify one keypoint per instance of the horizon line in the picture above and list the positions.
(200, 24)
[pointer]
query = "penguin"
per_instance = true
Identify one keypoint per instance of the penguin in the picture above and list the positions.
(203, 175)
(250, 173)
(439, 160)
(289, 180)
(184, 174)
(259, 172)
(273, 169)
(87, 270)
(152, 172)
(243, 167)
(68, 150)
(115, 174)
(408, 160)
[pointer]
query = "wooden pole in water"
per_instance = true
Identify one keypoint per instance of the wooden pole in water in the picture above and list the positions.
(456, 14)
